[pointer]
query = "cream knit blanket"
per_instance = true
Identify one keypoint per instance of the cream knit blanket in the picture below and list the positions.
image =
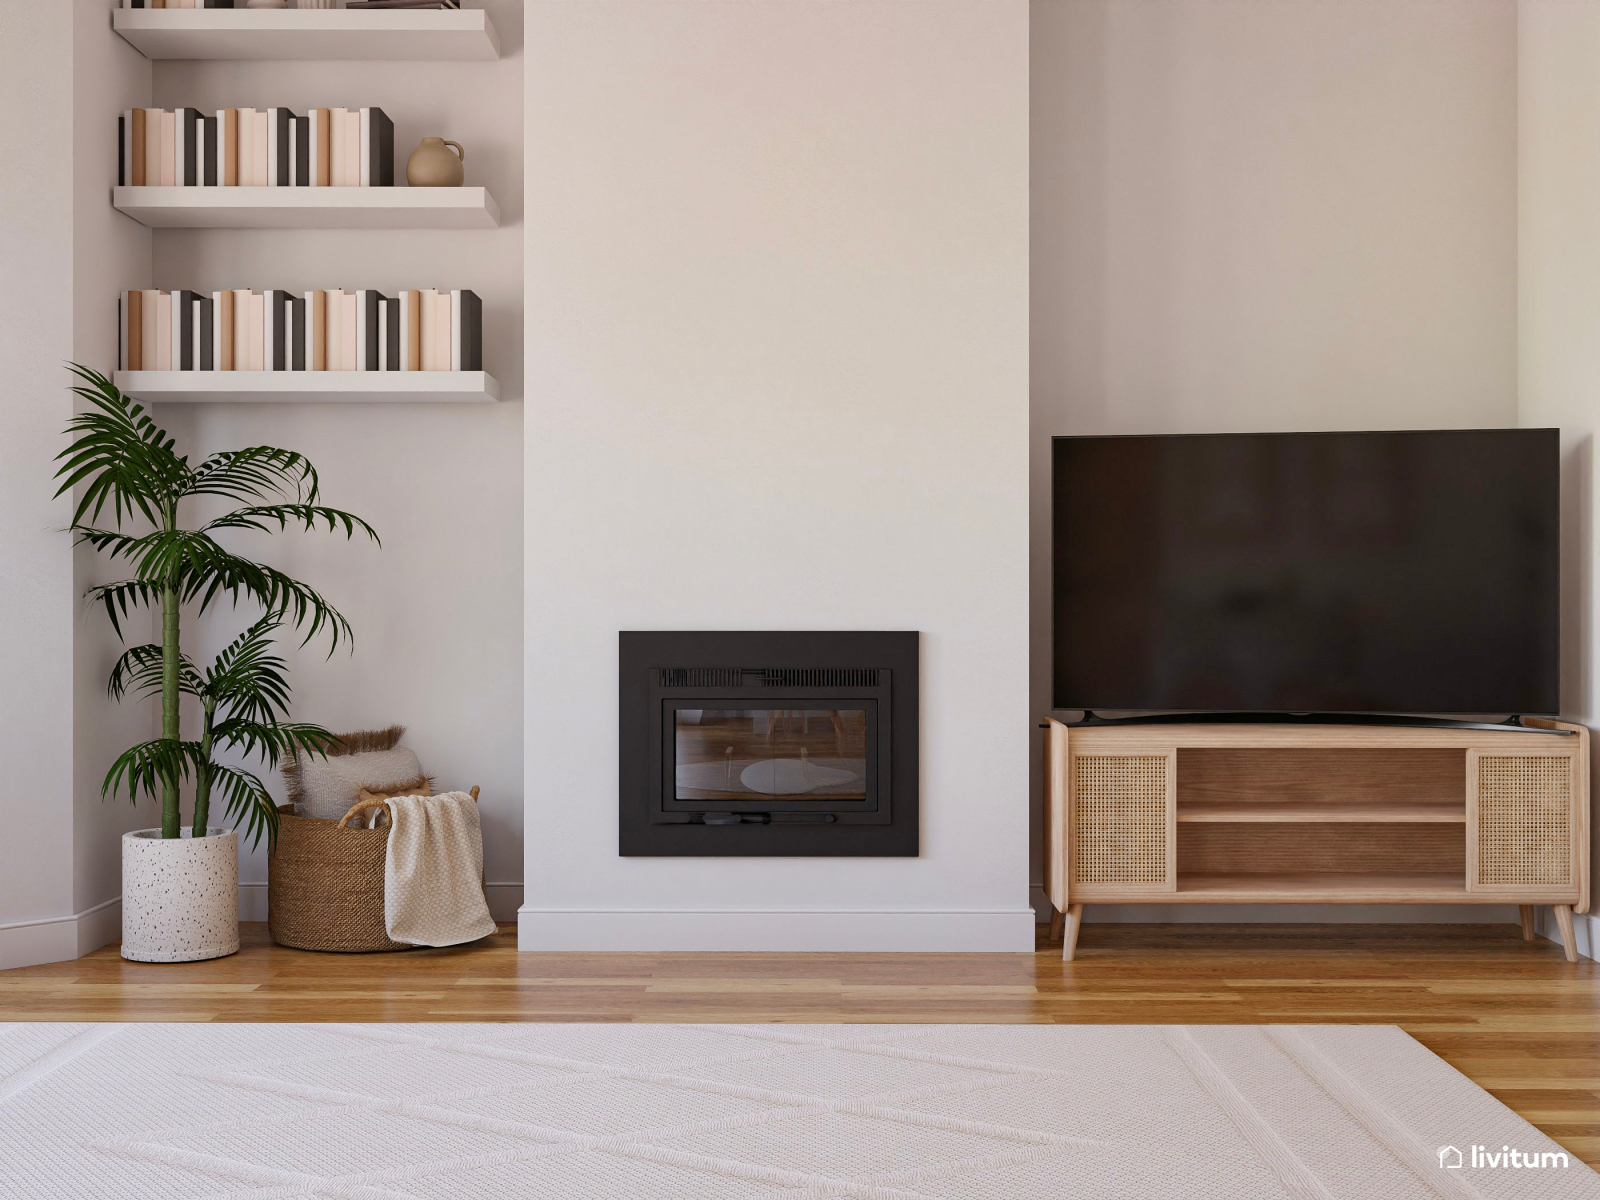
(433, 872)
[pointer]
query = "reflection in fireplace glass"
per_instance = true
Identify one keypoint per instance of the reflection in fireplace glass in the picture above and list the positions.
(749, 753)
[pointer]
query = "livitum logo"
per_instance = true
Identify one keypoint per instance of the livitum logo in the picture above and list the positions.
(1452, 1159)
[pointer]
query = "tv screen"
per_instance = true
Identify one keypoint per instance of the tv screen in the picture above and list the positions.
(1411, 572)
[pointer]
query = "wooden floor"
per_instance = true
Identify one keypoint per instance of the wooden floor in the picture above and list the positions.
(1512, 1015)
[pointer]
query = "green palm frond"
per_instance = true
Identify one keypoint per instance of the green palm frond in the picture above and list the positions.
(247, 679)
(119, 454)
(253, 473)
(302, 607)
(274, 741)
(263, 517)
(150, 766)
(139, 670)
(246, 799)
(117, 598)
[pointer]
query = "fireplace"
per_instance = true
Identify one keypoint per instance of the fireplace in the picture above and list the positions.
(793, 744)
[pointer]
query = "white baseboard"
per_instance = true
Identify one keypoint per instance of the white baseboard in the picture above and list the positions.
(1321, 914)
(60, 939)
(1009, 931)
(504, 900)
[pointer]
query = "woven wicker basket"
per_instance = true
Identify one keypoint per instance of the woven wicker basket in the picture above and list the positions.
(325, 883)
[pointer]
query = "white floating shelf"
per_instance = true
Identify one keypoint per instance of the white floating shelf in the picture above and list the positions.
(293, 33)
(308, 207)
(309, 387)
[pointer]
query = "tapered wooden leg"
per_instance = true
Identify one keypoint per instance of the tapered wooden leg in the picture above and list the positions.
(1058, 922)
(1527, 922)
(1568, 941)
(1069, 942)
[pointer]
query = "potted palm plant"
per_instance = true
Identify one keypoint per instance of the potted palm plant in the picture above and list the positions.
(180, 886)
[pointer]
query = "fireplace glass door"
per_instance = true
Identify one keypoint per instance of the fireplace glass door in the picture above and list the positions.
(758, 754)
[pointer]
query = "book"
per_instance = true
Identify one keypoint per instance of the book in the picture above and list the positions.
(348, 357)
(389, 334)
(205, 354)
(209, 162)
(337, 128)
(427, 330)
(241, 329)
(377, 148)
(222, 330)
(383, 162)
(247, 146)
(441, 330)
(183, 323)
(148, 329)
(152, 146)
(228, 146)
(258, 326)
(333, 335)
(279, 157)
(188, 157)
(352, 148)
(466, 331)
(272, 329)
(368, 305)
(125, 149)
(169, 142)
(163, 332)
(411, 331)
(180, 147)
(297, 333)
(131, 309)
(316, 331)
(318, 122)
(300, 144)
(259, 148)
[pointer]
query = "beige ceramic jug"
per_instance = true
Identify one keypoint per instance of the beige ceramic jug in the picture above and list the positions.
(431, 165)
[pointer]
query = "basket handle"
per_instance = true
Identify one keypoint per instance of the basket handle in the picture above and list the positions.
(362, 806)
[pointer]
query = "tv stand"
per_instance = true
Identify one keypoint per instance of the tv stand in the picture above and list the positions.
(1092, 719)
(1258, 812)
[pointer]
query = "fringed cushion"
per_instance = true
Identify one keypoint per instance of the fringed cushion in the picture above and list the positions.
(370, 759)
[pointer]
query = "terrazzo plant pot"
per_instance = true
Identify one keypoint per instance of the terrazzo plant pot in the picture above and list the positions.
(180, 896)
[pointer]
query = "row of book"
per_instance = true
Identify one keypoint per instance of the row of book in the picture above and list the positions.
(452, 4)
(275, 330)
(255, 147)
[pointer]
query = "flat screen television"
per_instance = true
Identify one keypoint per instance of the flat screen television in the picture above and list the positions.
(1384, 573)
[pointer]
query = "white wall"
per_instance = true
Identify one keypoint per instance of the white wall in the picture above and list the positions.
(1558, 173)
(777, 335)
(111, 253)
(35, 337)
(438, 610)
(59, 873)
(1285, 216)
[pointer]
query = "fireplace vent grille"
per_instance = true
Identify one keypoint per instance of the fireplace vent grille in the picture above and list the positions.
(702, 677)
(820, 677)
(773, 677)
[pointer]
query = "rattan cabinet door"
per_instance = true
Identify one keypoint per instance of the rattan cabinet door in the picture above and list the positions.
(1521, 829)
(1123, 839)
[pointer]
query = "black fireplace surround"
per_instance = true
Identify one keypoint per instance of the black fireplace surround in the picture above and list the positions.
(798, 744)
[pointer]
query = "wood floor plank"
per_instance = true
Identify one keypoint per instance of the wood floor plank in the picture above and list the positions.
(1512, 1015)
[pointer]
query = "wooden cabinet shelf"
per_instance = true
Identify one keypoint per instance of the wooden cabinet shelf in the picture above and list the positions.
(1312, 812)
(308, 207)
(309, 34)
(1353, 887)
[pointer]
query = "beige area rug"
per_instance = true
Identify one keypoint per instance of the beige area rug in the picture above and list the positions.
(754, 1112)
